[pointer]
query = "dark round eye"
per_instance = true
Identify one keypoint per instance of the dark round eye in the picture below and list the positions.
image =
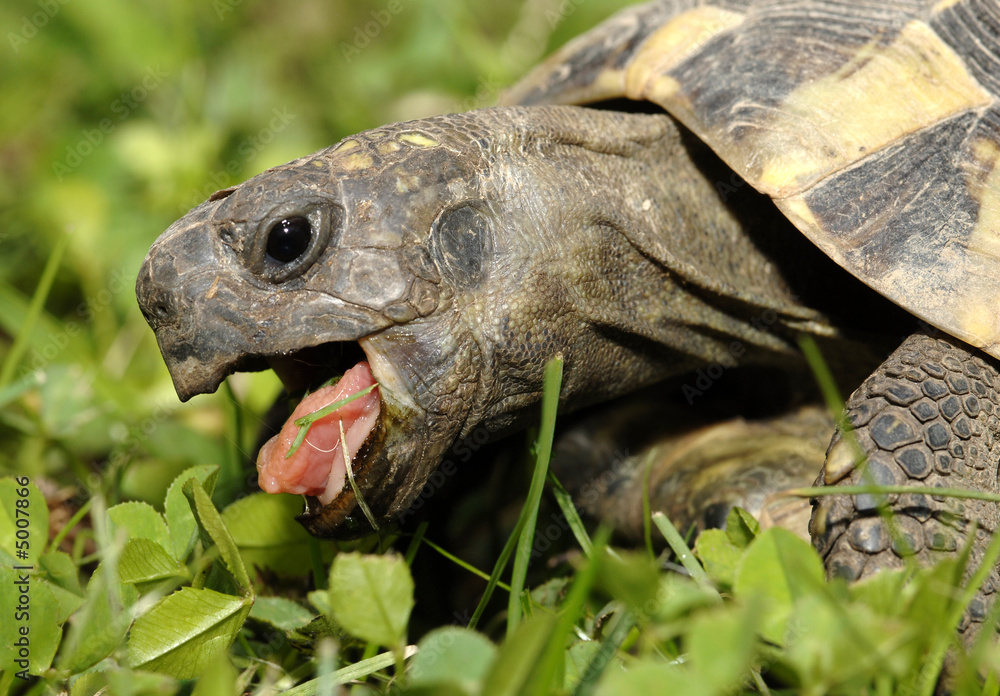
(288, 239)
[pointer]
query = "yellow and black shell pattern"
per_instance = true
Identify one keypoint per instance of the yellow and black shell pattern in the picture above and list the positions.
(873, 125)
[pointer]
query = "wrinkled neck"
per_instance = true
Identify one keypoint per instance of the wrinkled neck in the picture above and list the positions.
(632, 264)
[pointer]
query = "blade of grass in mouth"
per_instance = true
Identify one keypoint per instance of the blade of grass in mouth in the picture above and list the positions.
(305, 422)
(350, 478)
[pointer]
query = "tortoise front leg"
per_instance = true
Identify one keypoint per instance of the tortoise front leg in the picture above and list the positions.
(694, 467)
(928, 416)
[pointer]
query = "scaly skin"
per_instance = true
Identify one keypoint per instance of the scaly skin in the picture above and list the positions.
(928, 416)
(461, 253)
(698, 468)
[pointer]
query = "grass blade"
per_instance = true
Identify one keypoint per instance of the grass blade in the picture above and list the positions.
(647, 505)
(34, 311)
(306, 421)
(824, 378)
(508, 548)
(549, 668)
(529, 514)
(928, 679)
(415, 542)
(960, 493)
(569, 511)
(359, 670)
(494, 579)
(618, 631)
(680, 549)
(350, 479)
(465, 565)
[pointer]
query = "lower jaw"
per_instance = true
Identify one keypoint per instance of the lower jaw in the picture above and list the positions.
(388, 469)
(389, 475)
(341, 518)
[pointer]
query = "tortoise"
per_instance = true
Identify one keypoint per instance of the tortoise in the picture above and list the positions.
(601, 214)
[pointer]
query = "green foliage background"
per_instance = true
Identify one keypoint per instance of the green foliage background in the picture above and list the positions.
(120, 116)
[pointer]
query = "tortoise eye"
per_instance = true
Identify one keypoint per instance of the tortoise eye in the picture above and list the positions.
(288, 239)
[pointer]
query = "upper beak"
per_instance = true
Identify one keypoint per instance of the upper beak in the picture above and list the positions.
(185, 299)
(211, 321)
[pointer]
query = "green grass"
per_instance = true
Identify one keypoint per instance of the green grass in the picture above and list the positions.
(120, 116)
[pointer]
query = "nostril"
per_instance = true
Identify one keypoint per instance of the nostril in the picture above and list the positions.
(161, 311)
(158, 310)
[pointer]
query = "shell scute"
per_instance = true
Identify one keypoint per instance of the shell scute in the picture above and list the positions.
(874, 125)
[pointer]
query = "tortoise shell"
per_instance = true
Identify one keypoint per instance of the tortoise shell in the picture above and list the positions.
(874, 127)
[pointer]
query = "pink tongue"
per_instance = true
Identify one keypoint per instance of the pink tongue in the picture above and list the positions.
(317, 467)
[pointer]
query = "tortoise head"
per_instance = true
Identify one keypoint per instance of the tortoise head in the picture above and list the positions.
(433, 249)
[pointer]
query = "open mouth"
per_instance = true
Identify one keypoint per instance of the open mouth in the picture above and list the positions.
(315, 463)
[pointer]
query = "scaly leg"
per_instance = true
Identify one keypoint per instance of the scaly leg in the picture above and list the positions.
(697, 472)
(928, 416)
